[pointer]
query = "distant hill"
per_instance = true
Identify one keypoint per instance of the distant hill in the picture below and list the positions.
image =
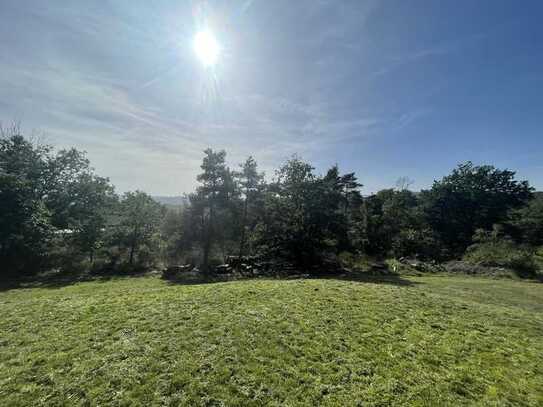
(171, 200)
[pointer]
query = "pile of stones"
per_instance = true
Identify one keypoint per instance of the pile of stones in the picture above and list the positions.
(180, 271)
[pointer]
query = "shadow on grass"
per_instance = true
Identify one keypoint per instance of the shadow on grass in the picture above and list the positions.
(55, 280)
(58, 280)
(359, 277)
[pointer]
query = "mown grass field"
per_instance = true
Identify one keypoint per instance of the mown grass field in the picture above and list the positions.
(424, 341)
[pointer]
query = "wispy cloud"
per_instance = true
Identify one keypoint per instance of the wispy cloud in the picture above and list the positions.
(409, 118)
(315, 77)
(438, 50)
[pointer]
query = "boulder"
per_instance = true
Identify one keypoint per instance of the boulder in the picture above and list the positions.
(223, 269)
(175, 270)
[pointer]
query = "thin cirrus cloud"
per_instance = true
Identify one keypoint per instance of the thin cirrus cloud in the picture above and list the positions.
(357, 83)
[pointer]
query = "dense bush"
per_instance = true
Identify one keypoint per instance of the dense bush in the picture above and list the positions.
(526, 223)
(495, 250)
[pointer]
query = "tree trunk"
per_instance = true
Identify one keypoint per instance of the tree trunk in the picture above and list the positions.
(243, 223)
(133, 245)
(131, 258)
(208, 238)
(207, 248)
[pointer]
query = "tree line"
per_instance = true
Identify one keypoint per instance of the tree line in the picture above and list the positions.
(56, 212)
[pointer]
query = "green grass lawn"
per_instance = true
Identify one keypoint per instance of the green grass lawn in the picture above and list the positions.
(143, 341)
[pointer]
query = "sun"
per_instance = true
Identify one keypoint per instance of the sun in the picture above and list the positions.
(207, 48)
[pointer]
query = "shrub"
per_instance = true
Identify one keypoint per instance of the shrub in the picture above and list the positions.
(495, 250)
(358, 262)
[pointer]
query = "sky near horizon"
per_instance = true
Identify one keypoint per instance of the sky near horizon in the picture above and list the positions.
(383, 88)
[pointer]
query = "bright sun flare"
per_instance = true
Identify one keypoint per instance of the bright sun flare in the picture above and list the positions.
(206, 48)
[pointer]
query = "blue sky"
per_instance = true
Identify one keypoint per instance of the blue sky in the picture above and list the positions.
(383, 88)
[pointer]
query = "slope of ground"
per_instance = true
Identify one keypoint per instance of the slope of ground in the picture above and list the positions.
(142, 341)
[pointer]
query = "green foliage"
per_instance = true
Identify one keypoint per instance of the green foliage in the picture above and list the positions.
(306, 216)
(139, 227)
(363, 263)
(527, 222)
(25, 219)
(395, 226)
(491, 248)
(380, 228)
(79, 200)
(419, 243)
(251, 184)
(435, 341)
(211, 205)
(538, 258)
(344, 200)
(173, 231)
(48, 200)
(289, 228)
(470, 198)
(54, 207)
